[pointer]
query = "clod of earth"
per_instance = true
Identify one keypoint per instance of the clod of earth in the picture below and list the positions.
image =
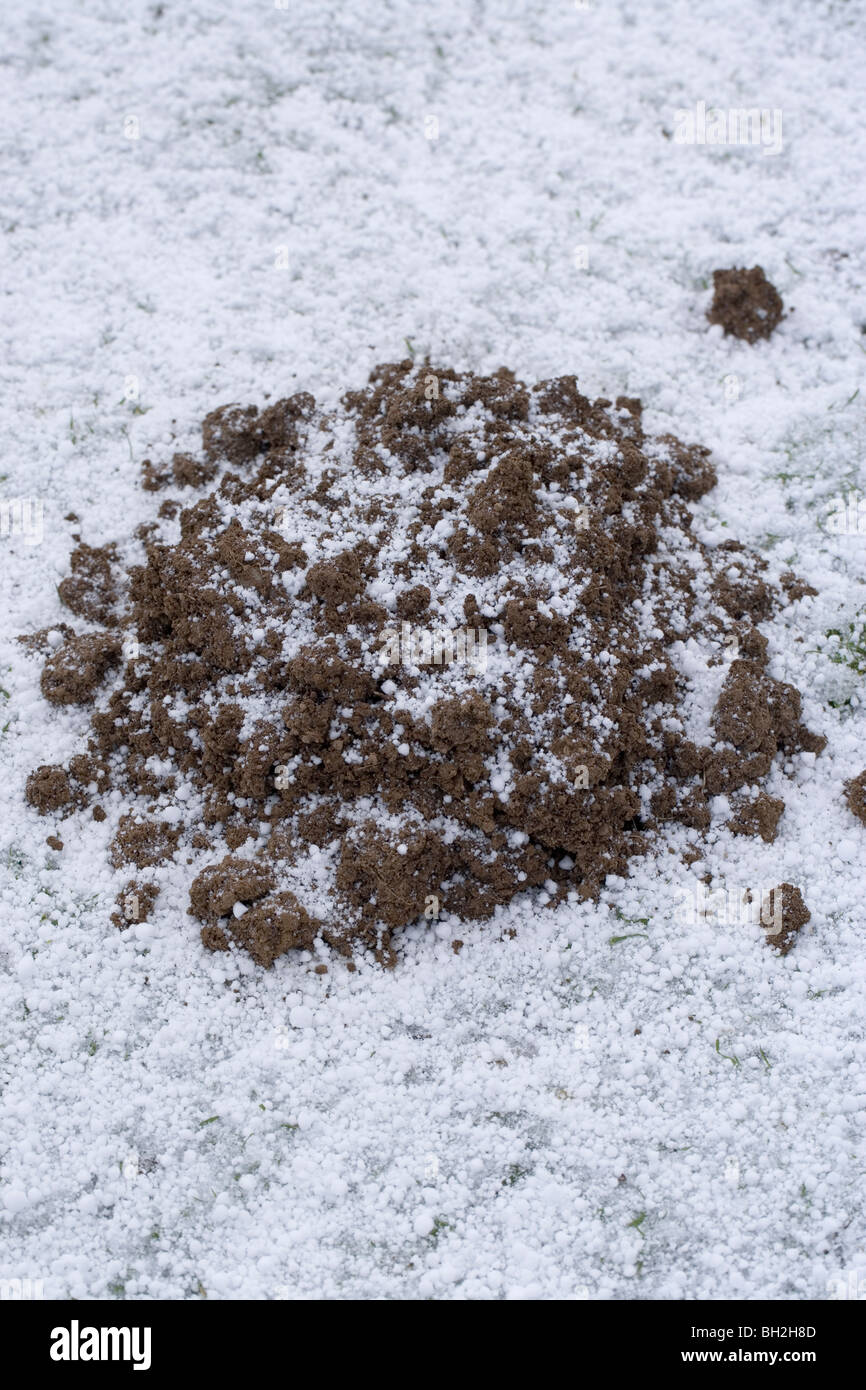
(855, 795)
(443, 645)
(134, 903)
(745, 303)
(783, 915)
(758, 817)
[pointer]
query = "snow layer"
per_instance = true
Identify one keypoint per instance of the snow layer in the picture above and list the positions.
(212, 202)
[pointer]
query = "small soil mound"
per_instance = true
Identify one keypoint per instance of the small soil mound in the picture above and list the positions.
(90, 591)
(443, 645)
(142, 842)
(745, 303)
(759, 816)
(73, 672)
(48, 789)
(783, 913)
(134, 904)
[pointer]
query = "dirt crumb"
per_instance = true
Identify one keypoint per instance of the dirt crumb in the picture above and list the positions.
(783, 914)
(154, 479)
(91, 589)
(48, 789)
(134, 904)
(745, 303)
(855, 796)
(190, 472)
(73, 672)
(142, 842)
(273, 926)
(760, 816)
(216, 891)
(796, 588)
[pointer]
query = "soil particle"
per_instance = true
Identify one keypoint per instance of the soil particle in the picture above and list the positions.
(758, 817)
(153, 479)
(336, 581)
(46, 638)
(693, 474)
(783, 915)
(855, 796)
(91, 589)
(134, 904)
(230, 432)
(217, 889)
(796, 588)
(90, 774)
(745, 303)
(142, 842)
(273, 926)
(48, 789)
(760, 716)
(413, 602)
(73, 672)
(190, 472)
(742, 715)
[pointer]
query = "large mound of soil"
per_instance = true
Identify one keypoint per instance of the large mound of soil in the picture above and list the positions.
(452, 642)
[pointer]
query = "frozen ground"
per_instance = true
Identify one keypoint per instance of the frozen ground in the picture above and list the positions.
(552, 1115)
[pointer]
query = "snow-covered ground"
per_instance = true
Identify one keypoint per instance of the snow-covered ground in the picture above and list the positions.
(224, 201)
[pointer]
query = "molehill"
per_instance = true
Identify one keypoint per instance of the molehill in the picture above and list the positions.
(450, 642)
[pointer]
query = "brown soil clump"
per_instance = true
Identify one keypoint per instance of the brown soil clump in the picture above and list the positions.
(745, 303)
(855, 796)
(271, 928)
(73, 672)
(48, 789)
(758, 817)
(134, 904)
(796, 588)
(142, 842)
(91, 590)
(783, 916)
(417, 656)
(52, 788)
